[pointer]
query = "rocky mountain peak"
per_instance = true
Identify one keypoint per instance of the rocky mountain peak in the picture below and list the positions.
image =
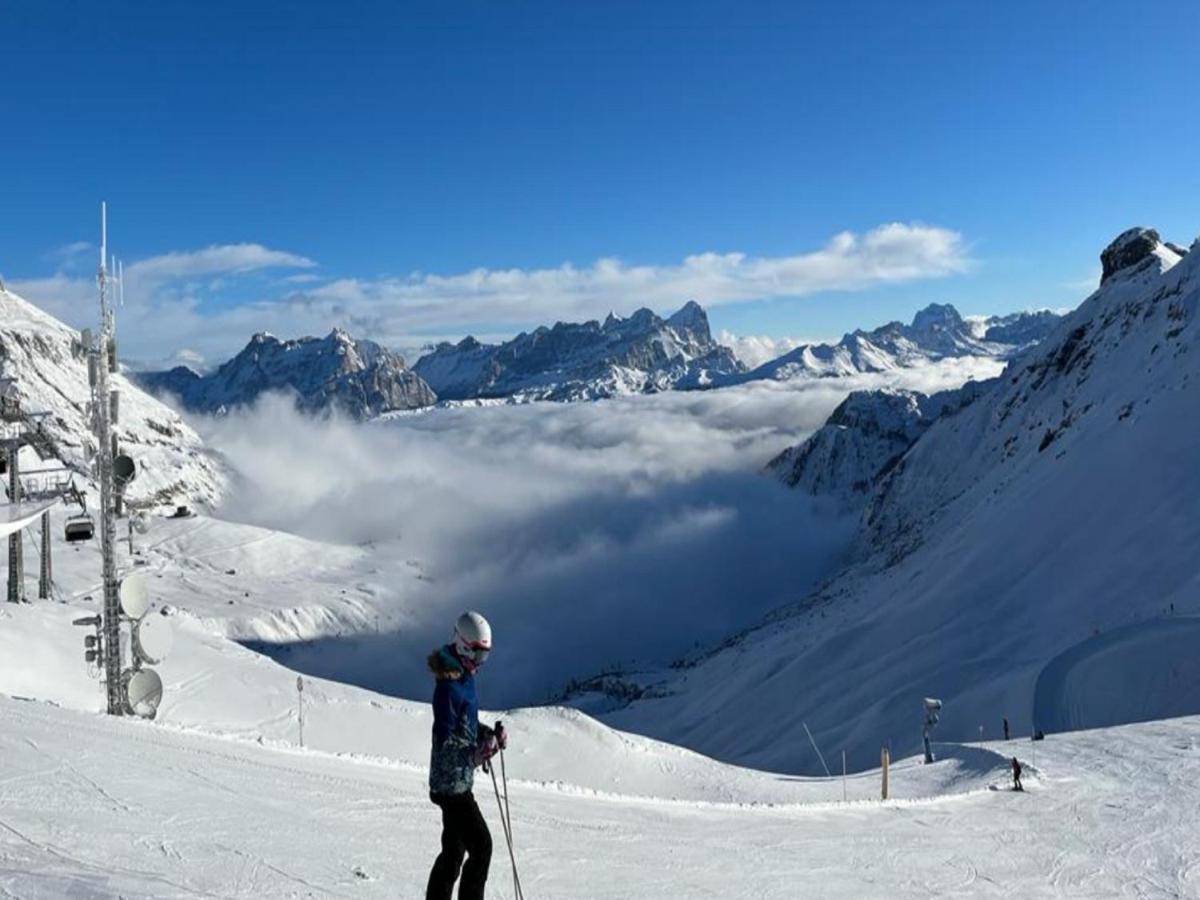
(1130, 248)
(692, 319)
(938, 315)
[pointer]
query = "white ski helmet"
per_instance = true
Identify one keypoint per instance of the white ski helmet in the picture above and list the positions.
(472, 638)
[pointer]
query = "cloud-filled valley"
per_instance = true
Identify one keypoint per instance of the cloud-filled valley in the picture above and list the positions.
(586, 531)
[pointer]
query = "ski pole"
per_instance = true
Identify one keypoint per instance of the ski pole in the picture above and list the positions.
(507, 835)
(508, 815)
(507, 808)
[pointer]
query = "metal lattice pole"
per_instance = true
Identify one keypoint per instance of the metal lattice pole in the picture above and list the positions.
(46, 574)
(101, 404)
(16, 556)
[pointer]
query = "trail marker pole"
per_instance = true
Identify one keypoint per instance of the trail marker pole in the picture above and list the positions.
(844, 800)
(884, 759)
(300, 706)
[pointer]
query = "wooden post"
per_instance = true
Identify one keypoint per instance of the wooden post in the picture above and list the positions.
(884, 759)
(300, 705)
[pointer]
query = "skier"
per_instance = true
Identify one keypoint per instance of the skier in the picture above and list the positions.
(460, 744)
(1016, 767)
(1006, 728)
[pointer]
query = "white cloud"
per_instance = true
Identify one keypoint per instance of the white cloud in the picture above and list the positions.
(165, 294)
(72, 256)
(162, 295)
(754, 350)
(886, 255)
(223, 259)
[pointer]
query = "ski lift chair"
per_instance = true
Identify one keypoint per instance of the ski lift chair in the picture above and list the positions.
(81, 527)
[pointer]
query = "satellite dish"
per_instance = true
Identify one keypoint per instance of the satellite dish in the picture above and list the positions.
(143, 693)
(124, 469)
(134, 595)
(153, 639)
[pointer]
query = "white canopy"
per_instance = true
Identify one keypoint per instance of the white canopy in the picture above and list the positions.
(15, 516)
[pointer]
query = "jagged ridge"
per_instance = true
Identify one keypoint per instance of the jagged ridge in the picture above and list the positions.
(937, 332)
(357, 377)
(589, 360)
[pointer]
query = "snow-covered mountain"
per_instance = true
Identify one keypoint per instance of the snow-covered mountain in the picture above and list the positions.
(45, 357)
(937, 332)
(1018, 329)
(356, 377)
(573, 361)
(863, 438)
(1030, 555)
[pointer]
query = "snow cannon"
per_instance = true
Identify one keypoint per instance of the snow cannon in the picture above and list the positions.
(933, 708)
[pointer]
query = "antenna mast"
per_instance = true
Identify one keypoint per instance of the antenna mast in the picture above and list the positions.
(102, 410)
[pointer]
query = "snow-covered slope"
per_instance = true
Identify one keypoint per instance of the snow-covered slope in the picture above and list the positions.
(216, 798)
(98, 808)
(1058, 507)
(1018, 329)
(937, 332)
(357, 377)
(44, 356)
(584, 361)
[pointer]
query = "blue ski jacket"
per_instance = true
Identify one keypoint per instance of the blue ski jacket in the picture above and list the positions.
(455, 725)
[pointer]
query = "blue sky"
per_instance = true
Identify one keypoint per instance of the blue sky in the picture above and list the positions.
(292, 166)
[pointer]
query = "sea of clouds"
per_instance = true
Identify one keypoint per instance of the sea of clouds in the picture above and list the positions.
(613, 534)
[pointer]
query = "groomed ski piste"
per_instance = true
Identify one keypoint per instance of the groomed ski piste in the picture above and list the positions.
(218, 800)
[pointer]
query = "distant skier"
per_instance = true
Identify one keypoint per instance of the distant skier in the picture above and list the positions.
(460, 744)
(1006, 728)
(1016, 767)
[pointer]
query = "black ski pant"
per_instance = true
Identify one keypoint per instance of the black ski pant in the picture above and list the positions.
(464, 832)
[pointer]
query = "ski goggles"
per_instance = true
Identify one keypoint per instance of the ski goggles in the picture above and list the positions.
(474, 651)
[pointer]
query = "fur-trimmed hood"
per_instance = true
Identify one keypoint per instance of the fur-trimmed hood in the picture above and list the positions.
(444, 665)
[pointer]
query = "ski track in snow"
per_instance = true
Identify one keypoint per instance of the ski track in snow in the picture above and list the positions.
(146, 811)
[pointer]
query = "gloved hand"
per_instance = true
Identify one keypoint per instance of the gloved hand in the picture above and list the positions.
(487, 746)
(501, 736)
